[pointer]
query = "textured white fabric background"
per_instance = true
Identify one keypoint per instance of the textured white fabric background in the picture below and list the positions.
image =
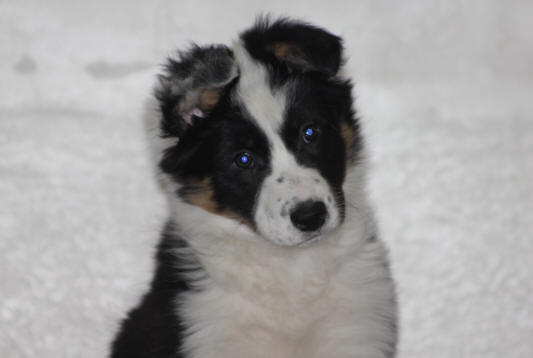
(445, 92)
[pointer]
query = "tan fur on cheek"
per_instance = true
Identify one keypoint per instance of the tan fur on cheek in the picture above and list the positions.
(348, 135)
(201, 194)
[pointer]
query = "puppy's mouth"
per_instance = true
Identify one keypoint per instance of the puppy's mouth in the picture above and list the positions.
(311, 239)
(306, 239)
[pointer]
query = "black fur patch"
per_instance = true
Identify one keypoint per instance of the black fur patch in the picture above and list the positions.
(153, 329)
(324, 104)
(209, 149)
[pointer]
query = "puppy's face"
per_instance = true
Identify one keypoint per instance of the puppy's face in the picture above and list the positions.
(266, 130)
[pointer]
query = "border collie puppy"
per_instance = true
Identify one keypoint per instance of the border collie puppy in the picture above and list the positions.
(270, 250)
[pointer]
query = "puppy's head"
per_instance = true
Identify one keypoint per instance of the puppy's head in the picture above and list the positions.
(265, 130)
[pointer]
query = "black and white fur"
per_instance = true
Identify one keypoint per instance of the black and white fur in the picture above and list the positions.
(275, 254)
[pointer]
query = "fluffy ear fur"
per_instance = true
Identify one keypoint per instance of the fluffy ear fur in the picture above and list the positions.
(294, 45)
(191, 86)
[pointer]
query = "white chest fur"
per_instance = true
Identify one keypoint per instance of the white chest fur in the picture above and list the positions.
(334, 299)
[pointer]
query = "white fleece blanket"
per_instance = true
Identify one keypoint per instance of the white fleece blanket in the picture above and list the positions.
(445, 93)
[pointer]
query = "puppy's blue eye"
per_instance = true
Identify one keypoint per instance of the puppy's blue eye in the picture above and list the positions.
(310, 133)
(244, 160)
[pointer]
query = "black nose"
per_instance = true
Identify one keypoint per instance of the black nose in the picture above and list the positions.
(309, 215)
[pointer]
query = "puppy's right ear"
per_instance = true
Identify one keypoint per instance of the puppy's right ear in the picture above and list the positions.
(192, 85)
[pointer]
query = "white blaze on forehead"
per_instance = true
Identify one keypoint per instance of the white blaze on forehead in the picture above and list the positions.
(266, 107)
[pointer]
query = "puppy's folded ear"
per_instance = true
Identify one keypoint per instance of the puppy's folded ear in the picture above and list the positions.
(294, 45)
(192, 85)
